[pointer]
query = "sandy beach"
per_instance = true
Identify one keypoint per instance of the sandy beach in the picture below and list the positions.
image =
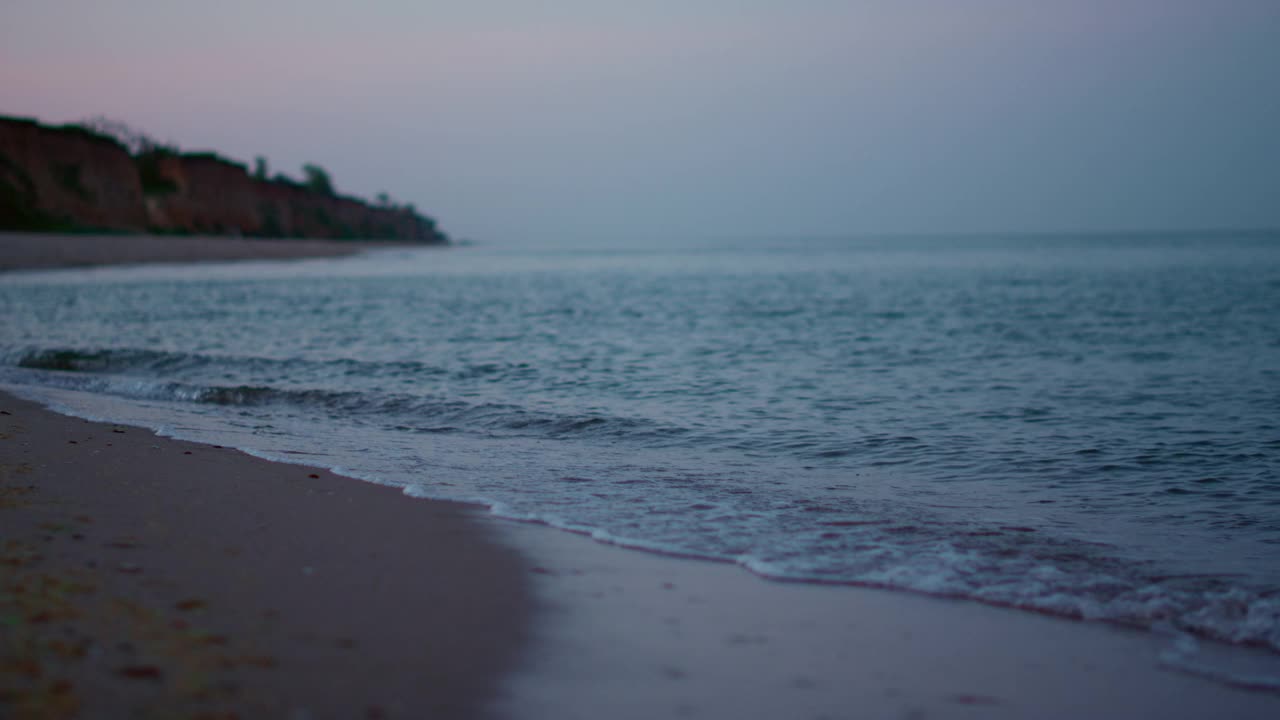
(143, 576)
(152, 577)
(146, 577)
(30, 251)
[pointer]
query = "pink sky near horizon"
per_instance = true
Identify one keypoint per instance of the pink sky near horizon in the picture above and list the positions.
(707, 118)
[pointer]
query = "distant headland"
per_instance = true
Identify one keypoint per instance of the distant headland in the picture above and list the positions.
(102, 176)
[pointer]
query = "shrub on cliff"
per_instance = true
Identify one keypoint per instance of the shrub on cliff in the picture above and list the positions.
(89, 133)
(317, 179)
(134, 140)
(151, 174)
(18, 199)
(148, 153)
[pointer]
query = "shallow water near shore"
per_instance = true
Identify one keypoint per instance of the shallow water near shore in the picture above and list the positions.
(1085, 426)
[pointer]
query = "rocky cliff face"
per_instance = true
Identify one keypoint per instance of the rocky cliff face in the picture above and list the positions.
(70, 178)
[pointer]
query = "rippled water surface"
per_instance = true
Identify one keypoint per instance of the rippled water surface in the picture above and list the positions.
(1082, 425)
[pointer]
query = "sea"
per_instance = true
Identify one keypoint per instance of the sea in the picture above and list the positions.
(1084, 425)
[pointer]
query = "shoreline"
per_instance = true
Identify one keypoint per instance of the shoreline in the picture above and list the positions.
(151, 575)
(202, 599)
(217, 582)
(40, 251)
(663, 636)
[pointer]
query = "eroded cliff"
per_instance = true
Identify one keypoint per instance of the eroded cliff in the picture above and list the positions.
(71, 178)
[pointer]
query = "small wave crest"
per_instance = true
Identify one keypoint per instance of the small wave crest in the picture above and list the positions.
(115, 372)
(147, 362)
(91, 361)
(1046, 575)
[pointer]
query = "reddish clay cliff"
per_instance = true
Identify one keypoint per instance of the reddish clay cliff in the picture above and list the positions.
(50, 174)
(71, 178)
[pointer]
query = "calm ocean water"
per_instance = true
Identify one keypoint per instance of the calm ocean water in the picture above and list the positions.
(1080, 425)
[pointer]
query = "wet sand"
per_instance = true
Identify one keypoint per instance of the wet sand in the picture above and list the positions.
(628, 635)
(29, 251)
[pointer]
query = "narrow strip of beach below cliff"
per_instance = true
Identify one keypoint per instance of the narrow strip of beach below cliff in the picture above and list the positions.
(32, 251)
(149, 577)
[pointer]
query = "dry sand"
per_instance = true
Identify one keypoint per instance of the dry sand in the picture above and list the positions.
(24, 251)
(148, 577)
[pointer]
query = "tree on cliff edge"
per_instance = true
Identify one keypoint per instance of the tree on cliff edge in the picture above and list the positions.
(135, 141)
(317, 179)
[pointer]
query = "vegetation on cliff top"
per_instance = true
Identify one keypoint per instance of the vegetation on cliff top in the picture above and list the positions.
(157, 165)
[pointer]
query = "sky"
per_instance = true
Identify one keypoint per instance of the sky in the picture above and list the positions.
(601, 121)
